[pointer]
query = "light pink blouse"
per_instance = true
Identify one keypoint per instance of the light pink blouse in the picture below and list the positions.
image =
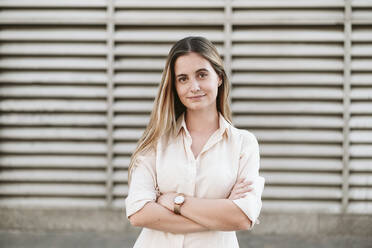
(229, 154)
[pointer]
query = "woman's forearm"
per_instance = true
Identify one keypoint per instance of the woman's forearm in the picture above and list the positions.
(157, 217)
(215, 214)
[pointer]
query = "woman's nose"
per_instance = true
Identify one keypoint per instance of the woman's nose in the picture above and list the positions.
(195, 86)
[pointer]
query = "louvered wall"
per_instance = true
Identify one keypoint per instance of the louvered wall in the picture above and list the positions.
(78, 80)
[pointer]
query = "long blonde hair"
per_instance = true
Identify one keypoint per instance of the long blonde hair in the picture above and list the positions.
(167, 106)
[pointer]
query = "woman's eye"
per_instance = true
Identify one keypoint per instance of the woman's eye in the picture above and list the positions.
(203, 75)
(182, 80)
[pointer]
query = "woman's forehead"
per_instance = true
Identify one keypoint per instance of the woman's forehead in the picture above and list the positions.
(191, 63)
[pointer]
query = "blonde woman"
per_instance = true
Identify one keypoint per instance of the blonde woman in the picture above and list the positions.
(194, 177)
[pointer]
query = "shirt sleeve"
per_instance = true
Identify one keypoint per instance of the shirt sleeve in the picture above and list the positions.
(142, 187)
(249, 164)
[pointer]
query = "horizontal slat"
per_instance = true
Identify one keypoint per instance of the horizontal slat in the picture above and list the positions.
(360, 179)
(152, 78)
(291, 164)
(361, 3)
(120, 176)
(53, 105)
(133, 106)
(293, 150)
(66, 202)
(357, 207)
(293, 50)
(121, 162)
(287, 4)
(53, 147)
(361, 50)
(361, 64)
(282, 64)
(48, 3)
(139, 64)
(296, 179)
(361, 150)
(124, 148)
(361, 122)
(318, 136)
(301, 93)
(361, 33)
(131, 120)
(299, 192)
(120, 190)
(361, 93)
(360, 136)
(169, 4)
(360, 164)
(48, 77)
(54, 34)
(146, 50)
(53, 119)
(294, 34)
(53, 91)
(38, 49)
(53, 133)
(27, 189)
(53, 176)
(135, 92)
(47, 16)
(309, 206)
(50, 161)
(170, 17)
(361, 78)
(364, 194)
(127, 134)
(287, 78)
(276, 16)
(362, 14)
(288, 121)
(168, 35)
(286, 107)
(54, 63)
(361, 108)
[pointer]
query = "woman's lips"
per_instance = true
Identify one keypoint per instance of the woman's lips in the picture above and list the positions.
(196, 97)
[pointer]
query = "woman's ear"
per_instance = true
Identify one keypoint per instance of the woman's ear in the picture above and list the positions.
(219, 80)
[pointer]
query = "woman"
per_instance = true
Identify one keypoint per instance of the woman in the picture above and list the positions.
(194, 177)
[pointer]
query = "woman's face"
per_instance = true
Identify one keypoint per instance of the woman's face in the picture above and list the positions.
(196, 82)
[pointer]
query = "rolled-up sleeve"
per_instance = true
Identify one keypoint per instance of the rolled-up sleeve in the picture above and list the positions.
(142, 188)
(249, 165)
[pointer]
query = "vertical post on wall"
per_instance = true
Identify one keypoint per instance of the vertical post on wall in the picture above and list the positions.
(228, 42)
(110, 89)
(346, 112)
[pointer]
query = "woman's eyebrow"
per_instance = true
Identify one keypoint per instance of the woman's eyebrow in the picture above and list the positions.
(201, 69)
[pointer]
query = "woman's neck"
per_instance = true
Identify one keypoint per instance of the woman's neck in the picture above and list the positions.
(202, 121)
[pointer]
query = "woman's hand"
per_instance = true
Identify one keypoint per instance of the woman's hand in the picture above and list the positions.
(167, 200)
(239, 189)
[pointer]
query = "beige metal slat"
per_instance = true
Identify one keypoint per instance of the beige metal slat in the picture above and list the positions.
(299, 164)
(44, 147)
(52, 105)
(52, 161)
(294, 78)
(53, 119)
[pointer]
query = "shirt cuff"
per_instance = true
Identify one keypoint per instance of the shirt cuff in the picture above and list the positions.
(251, 206)
(134, 205)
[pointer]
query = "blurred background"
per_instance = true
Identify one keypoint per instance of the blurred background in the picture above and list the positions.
(78, 81)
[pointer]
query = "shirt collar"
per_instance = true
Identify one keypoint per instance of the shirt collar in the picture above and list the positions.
(224, 124)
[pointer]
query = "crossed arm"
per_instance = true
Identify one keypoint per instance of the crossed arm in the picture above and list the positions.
(197, 214)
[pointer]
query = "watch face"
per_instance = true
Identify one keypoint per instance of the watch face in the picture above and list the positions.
(179, 199)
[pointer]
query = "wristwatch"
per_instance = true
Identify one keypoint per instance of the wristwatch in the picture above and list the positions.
(178, 201)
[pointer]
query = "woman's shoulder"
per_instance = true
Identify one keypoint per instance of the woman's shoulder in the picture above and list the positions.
(243, 135)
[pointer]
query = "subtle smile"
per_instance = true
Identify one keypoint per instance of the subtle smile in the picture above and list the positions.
(196, 97)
